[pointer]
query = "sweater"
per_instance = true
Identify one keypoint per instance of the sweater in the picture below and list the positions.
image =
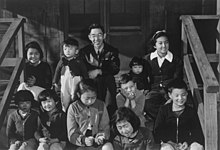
(160, 76)
(42, 73)
(138, 109)
(184, 128)
(80, 117)
(52, 125)
(19, 128)
(142, 141)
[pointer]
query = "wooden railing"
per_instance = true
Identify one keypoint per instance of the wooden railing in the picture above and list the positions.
(14, 32)
(207, 108)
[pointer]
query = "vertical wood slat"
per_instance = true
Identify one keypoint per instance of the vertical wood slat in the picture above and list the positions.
(211, 124)
(194, 90)
(218, 7)
(218, 37)
(104, 16)
(21, 48)
(184, 40)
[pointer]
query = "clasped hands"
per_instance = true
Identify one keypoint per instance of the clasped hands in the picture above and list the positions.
(98, 139)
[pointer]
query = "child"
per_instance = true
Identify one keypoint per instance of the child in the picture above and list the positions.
(177, 124)
(22, 123)
(88, 120)
(51, 132)
(139, 75)
(128, 133)
(163, 66)
(38, 72)
(129, 96)
(70, 69)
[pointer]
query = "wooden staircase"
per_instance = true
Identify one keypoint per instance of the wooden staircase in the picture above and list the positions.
(197, 64)
(11, 67)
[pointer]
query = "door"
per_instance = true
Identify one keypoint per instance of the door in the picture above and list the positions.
(123, 20)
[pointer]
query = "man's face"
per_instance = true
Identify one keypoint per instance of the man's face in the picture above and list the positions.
(97, 37)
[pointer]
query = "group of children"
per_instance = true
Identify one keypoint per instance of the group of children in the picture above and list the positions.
(80, 117)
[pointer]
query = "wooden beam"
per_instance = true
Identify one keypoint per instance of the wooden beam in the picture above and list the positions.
(184, 40)
(20, 39)
(211, 124)
(218, 37)
(202, 16)
(209, 80)
(189, 73)
(9, 62)
(6, 99)
(211, 57)
(8, 20)
(200, 105)
(218, 7)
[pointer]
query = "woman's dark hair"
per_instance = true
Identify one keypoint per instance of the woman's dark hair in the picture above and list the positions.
(125, 114)
(154, 38)
(96, 26)
(45, 94)
(23, 96)
(176, 84)
(86, 85)
(34, 45)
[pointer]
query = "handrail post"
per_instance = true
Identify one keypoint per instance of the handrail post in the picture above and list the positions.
(211, 123)
(184, 40)
(21, 48)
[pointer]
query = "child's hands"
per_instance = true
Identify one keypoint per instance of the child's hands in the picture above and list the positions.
(133, 104)
(44, 140)
(131, 95)
(183, 146)
(18, 143)
(55, 140)
(99, 138)
(94, 73)
(91, 60)
(31, 81)
(145, 92)
(55, 87)
(89, 141)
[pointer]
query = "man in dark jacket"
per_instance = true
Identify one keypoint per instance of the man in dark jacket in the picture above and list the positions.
(102, 63)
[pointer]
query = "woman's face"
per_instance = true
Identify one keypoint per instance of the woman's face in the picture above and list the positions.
(33, 56)
(162, 46)
(125, 128)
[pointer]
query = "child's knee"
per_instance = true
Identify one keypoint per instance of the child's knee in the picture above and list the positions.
(43, 146)
(166, 146)
(196, 146)
(13, 147)
(107, 146)
(56, 146)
